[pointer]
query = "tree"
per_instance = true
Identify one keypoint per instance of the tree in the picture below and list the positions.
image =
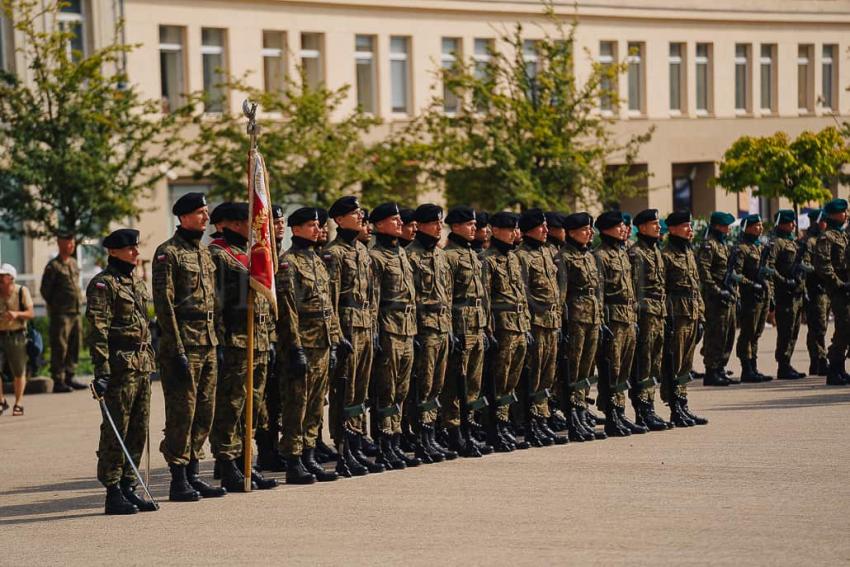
(526, 132)
(311, 155)
(79, 145)
(775, 167)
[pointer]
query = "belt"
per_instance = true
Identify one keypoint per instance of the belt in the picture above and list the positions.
(320, 314)
(432, 308)
(584, 292)
(123, 343)
(349, 302)
(538, 308)
(619, 302)
(195, 316)
(461, 303)
(15, 332)
(397, 306)
(653, 296)
(507, 307)
(683, 293)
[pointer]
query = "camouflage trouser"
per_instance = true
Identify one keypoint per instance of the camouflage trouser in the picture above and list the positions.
(752, 325)
(789, 314)
(542, 365)
(188, 404)
(128, 400)
(268, 419)
(64, 333)
(303, 402)
(429, 370)
(466, 360)
(506, 366)
(229, 423)
(393, 367)
(582, 345)
(817, 319)
(649, 352)
(616, 355)
(680, 346)
(719, 337)
(840, 303)
(356, 369)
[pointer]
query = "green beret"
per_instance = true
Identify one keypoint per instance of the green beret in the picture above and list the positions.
(627, 219)
(750, 219)
(720, 218)
(785, 215)
(835, 206)
(814, 214)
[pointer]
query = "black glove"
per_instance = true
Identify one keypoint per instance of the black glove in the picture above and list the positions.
(298, 361)
(343, 347)
(845, 286)
(700, 329)
(100, 384)
(376, 343)
(529, 339)
(417, 344)
(454, 343)
(272, 359)
(757, 287)
(333, 360)
(490, 342)
(725, 296)
(181, 367)
(606, 331)
(219, 356)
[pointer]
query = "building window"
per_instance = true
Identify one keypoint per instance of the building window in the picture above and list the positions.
(274, 61)
(214, 64)
(400, 73)
(171, 67)
(805, 79)
(449, 57)
(703, 79)
(364, 59)
(4, 34)
(682, 193)
(482, 48)
(72, 17)
(529, 56)
(677, 77)
(12, 251)
(829, 77)
(636, 78)
(311, 59)
(608, 85)
(742, 78)
(768, 78)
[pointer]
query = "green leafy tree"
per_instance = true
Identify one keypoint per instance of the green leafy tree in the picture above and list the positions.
(79, 145)
(312, 155)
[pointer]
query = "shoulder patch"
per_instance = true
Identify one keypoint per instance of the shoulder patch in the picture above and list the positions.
(327, 257)
(100, 285)
(284, 265)
(162, 258)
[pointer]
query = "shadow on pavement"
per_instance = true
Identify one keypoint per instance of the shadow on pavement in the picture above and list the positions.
(840, 396)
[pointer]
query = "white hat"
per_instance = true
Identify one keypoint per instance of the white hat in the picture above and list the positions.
(8, 269)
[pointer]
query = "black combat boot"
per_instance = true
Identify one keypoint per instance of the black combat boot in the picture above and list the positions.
(129, 492)
(613, 427)
(683, 403)
(348, 461)
(232, 478)
(593, 418)
(585, 416)
(429, 448)
(180, 490)
(677, 416)
(309, 460)
(387, 456)
(323, 453)
(633, 427)
(448, 454)
(658, 417)
(396, 446)
(355, 441)
(576, 429)
(645, 414)
(764, 377)
(296, 473)
(421, 449)
(748, 375)
(715, 377)
(544, 428)
(268, 459)
(785, 371)
(258, 481)
(204, 489)
(532, 434)
(835, 375)
(369, 447)
(117, 504)
(728, 374)
(557, 420)
(823, 367)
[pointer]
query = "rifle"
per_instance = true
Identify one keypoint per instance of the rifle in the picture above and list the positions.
(764, 271)
(799, 269)
(731, 278)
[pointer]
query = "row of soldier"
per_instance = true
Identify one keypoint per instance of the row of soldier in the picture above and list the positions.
(457, 350)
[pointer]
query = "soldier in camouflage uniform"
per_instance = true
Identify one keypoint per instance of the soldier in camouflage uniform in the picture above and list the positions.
(543, 294)
(312, 326)
(648, 281)
(616, 353)
(466, 363)
(685, 317)
(791, 264)
(395, 308)
(508, 322)
(61, 292)
(627, 230)
(816, 301)
(184, 302)
(433, 281)
(232, 283)
(483, 232)
(120, 344)
(408, 227)
(720, 301)
(831, 265)
(755, 266)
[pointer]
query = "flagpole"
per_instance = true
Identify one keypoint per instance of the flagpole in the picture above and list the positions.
(250, 110)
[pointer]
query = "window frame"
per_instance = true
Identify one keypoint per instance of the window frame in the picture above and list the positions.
(806, 65)
(770, 63)
(680, 61)
(275, 53)
(640, 61)
(746, 62)
(80, 18)
(405, 57)
(215, 50)
(317, 54)
(706, 61)
(371, 57)
(832, 62)
(178, 48)
(608, 104)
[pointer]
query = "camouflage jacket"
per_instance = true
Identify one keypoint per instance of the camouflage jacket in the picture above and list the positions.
(395, 292)
(749, 267)
(60, 287)
(785, 280)
(467, 288)
(581, 287)
(619, 303)
(681, 276)
(506, 308)
(433, 280)
(814, 283)
(349, 267)
(648, 276)
(831, 258)
(713, 260)
(540, 276)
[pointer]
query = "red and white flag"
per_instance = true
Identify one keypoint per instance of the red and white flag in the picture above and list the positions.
(262, 252)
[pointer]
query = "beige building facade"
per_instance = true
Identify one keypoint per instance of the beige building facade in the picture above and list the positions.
(701, 72)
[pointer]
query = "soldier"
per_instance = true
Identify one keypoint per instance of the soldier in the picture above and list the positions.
(395, 297)
(719, 299)
(185, 305)
(817, 300)
(60, 289)
(648, 280)
(508, 321)
(792, 261)
(466, 363)
(627, 229)
(230, 256)
(351, 289)
(365, 228)
(408, 227)
(615, 355)
(433, 280)
(581, 292)
(483, 232)
(831, 265)
(557, 235)
(120, 344)
(754, 264)
(323, 228)
(685, 316)
(218, 217)
(313, 330)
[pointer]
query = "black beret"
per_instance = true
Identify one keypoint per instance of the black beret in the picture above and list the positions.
(482, 219)
(188, 203)
(646, 215)
(678, 217)
(236, 212)
(219, 213)
(303, 215)
(460, 214)
(609, 219)
(428, 213)
(323, 216)
(122, 238)
(383, 211)
(555, 220)
(532, 218)
(407, 215)
(277, 212)
(65, 234)
(343, 206)
(577, 220)
(504, 219)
